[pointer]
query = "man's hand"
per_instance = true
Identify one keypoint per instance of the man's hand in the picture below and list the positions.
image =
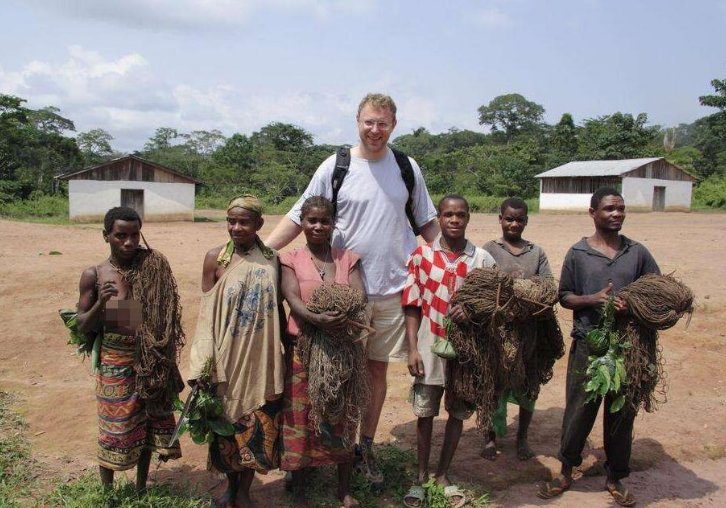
(458, 314)
(601, 297)
(621, 306)
(106, 291)
(415, 363)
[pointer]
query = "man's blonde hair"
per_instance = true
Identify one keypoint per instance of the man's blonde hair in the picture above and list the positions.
(378, 101)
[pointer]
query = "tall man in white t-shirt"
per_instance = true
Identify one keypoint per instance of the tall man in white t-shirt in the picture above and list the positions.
(371, 221)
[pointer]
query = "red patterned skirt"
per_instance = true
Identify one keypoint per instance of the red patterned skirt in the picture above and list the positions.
(301, 446)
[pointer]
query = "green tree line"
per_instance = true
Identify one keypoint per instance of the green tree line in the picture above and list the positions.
(277, 161)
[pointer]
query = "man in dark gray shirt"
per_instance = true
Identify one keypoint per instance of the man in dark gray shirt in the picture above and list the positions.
(596, 268)
(521, 259)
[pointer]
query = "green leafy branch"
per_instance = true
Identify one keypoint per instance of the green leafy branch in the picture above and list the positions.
(606, 365)
(205, 417)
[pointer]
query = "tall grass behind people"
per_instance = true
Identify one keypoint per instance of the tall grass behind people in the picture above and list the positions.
(595, 269)
(306, 441)
(521, 259)
(239, 329)
(435, 271)
(130, 301)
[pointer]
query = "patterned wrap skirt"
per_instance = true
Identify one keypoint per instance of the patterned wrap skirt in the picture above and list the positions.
(124, 427)
(254, 445)
(301, 445)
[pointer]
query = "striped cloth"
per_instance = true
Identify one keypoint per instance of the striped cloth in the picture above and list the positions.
(124, 427)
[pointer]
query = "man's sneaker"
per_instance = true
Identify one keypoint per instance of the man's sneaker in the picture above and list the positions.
(366, 465)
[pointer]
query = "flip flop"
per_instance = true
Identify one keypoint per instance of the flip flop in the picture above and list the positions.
(556, 487)
(452, 491)
(418, 494)
(624, 498)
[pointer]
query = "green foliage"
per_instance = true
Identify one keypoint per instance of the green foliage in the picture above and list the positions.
(16, 463)
(397, 466)
(95, 146)
(205, 415)
(283, 137)
(719, 99)
(617, 136)
(38, 207)
(87, 492)
(606, 369)
(511, 113)
(711, 193)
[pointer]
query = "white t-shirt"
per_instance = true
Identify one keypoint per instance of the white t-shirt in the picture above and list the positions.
(371, 219)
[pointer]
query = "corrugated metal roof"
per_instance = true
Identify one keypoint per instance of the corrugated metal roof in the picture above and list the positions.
(191, 179)
(597, 168)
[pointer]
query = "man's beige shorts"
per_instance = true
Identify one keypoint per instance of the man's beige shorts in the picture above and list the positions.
(389, 342)
(426, 400)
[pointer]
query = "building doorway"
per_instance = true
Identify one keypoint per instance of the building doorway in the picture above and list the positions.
(133, 198)
(659, 199)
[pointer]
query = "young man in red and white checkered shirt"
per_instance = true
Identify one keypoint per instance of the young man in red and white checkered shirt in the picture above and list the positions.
(435, 271)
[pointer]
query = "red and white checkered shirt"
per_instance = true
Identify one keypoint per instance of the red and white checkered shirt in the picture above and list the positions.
(433, 277)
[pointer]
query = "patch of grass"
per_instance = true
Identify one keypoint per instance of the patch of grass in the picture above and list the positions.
(399, 469)
(40, 208)
(87, 492)
(16, 477)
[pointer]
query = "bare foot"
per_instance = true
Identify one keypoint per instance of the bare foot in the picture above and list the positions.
(300, 502)
(489, 451)
(349, 501)
(244, 501)
(524, 452)
(225, 501)
(442, 480)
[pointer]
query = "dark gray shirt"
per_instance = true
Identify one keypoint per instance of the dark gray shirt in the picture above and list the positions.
(587, 271)
(528, 263)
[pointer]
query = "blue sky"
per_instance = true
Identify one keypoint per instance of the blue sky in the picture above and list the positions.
(132, 66)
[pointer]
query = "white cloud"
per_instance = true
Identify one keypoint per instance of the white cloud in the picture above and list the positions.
(181, 14)
(128, 98)
(492, 17)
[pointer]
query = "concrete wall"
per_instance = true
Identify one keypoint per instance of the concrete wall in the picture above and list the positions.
(638, 194)
(91, 199)
(556, 201)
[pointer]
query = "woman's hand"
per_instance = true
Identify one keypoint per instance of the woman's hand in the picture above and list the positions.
(329, 321)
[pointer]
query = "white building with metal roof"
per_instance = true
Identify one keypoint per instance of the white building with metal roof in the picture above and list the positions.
(156, 192)
(649, 184)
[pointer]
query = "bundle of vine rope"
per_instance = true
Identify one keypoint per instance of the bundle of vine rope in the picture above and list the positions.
(512, 340)
(338, 385)
(538, 334)
(655, 302)
(475, 374)
(160, 336)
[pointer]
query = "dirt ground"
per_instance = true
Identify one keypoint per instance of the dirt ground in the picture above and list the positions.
(678, 452)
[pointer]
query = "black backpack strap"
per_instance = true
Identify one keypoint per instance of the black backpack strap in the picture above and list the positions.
(342, 163)
(404, 164)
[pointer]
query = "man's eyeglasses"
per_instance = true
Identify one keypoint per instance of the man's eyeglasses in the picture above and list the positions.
(382, 126)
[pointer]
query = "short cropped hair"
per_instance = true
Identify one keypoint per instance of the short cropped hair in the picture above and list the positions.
(515, 204)
(452, 197)
(317, 202)
(601, 193)
(119, 213)
(378, 100)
